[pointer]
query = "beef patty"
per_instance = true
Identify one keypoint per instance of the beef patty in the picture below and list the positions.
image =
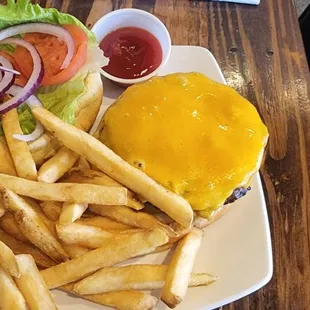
(236, 194)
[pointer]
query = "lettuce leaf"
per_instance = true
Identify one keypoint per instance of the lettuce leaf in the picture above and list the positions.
(60, 100)
(22, 11)
(26, 120)
(63, 100)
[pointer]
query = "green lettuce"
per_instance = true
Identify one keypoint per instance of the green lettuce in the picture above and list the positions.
(60, 100)
(64, 108)
(26, 120)
(22, 11)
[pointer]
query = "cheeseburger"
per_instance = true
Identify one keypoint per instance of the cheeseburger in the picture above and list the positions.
(196, 137)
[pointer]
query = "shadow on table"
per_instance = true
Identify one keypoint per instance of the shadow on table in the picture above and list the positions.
(304, 21)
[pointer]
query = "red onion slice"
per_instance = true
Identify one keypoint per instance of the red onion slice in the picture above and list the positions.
(33, 82)
(5, 69)
(54, 30)
(7, 79)
(37, 133)
(32, 102)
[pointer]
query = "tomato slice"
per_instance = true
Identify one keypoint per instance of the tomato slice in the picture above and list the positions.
(20, 79)
(53, 53)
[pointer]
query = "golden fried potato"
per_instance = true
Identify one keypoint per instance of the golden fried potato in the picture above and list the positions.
(10, 226)
(103, 223)
(33, 227)
(89, 176)
(11, 297)
(32, 285)
(83, 235)
(52, 209)
(22, 158)
(180, 268)
(110, 254)
(53, 169)
(80, 193)
(123, 300)
(19, 247)
(8, 260)
(6, 161)
(71, 212)
(132, 277)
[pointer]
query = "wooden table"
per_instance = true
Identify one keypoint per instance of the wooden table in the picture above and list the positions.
(261, 54)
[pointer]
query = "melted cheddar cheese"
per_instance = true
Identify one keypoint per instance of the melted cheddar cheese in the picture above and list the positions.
(196, 137)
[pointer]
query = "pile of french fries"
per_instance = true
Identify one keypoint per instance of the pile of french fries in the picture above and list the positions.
(76, 214)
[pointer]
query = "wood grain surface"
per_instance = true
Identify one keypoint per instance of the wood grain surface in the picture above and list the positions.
(261, 54)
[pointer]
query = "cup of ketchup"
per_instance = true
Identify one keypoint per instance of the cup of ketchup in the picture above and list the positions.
(136, 43)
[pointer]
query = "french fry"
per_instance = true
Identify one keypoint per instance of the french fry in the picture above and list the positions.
(123, 300)
(164, 247)
(132, 218)
(42, 237)
(19, 247)
(72, 250)
(10, 226)
(43, 148)
(32, 285)
(53, 169)
(71, 212)
(80, 193)
(82, 163)
(108, 255)
(126, 216)
(87, 236)
(83, 235)
(33, 227)
(180, 268)
(34, 204)
(41, 156)
(2, 209)
(8, 260)
(201, 279)
(11, 297)
(52, 209)
(178, 230)
(39, 211)
(75, 251)
(132, 277)
(22, 158)
(89, 176)
(103, 223)
(107, 161)
(6, 161)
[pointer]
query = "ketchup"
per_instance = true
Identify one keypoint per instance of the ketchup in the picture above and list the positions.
(133, 52)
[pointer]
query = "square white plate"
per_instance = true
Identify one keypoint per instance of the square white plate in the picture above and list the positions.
(236, 248)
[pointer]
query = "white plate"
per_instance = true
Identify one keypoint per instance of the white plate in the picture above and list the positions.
(236, 248)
